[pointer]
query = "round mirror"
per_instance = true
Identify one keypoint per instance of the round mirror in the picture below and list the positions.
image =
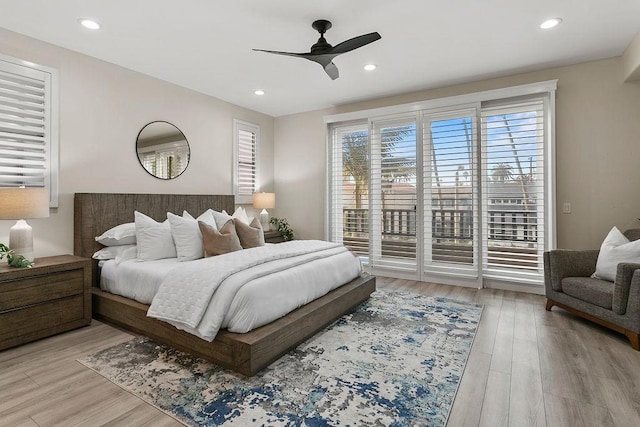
(163, 150)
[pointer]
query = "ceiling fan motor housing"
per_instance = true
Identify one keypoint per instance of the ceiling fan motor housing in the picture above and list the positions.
(321, 46)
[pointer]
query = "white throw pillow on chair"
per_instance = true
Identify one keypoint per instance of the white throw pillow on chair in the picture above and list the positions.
(615, 249)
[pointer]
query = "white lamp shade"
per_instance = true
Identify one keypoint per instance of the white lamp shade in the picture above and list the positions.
(23, 203)
(264, 200)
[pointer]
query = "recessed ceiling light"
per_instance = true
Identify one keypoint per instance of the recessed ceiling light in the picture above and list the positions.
(258, 92)
(370, 67)
(550, 23)
(89, 23)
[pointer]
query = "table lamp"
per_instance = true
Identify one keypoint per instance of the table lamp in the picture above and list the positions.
(264, 201)
(22, 203)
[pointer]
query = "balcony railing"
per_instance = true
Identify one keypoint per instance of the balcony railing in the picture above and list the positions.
(451, 233)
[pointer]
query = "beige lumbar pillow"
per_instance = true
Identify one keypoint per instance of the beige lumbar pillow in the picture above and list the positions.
(216, 242)
(251, 235)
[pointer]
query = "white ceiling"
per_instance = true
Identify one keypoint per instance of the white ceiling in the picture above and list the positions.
(205, 45)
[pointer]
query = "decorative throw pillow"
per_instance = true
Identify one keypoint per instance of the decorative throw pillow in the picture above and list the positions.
(250, 235)
(221, 218)
(111, 252)
(186, 234)
(219, 242)
(153, 238)
(615, 249)
(123, 234)
(240, 213)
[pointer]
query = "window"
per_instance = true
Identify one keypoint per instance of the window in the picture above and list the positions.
(245, 148)
(456, 190)
(350, 187)
(28, 126)
(513, 153)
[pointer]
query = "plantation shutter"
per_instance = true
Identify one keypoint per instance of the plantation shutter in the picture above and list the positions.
(246, 135)
(513, 180)
(25, 127)
(349, 187)
(393, 201)
(149, 162)
(450, 194)
(481, 187)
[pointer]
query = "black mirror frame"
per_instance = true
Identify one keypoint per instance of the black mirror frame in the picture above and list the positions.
(185, 139)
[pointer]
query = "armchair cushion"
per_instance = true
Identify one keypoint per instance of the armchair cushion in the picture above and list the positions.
(594, 291)
(561, 263)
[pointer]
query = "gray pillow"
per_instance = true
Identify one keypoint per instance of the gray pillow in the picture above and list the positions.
(250, 235)
(216, 242)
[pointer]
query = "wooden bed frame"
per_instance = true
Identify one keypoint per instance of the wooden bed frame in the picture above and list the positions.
(246, 353)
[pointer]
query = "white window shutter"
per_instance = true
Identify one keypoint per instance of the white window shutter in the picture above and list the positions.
(245, 176)
(513, 180)
(349, 196)
(28, 141)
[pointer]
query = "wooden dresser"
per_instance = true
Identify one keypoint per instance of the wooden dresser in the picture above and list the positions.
(52, 297)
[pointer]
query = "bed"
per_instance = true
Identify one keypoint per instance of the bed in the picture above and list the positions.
(246, 353)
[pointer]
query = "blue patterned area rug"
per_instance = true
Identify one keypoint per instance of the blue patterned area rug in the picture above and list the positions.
(396, 360)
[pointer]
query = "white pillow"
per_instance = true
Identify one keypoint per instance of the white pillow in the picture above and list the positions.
(111, 252)
(187, 236)
(221, 218)
(131, 253)
(153, 238)
(615, 249)
(239, 214)
(123, 234)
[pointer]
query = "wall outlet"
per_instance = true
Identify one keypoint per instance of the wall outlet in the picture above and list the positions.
(566, 207)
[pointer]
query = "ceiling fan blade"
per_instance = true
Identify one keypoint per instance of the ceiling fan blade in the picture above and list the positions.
(354, 43)
(282, 53)
(326, 62)
(332, 70)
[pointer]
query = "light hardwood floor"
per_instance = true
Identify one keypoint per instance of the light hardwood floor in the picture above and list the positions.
(527, 367)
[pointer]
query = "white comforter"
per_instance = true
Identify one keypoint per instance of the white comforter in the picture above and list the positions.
(197, 297)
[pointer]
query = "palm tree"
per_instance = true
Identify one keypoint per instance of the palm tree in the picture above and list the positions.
(502, 172)
(356, 162)
(522, 178)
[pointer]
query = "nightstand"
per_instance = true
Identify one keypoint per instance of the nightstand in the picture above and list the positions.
(51, 297)
(273, 236)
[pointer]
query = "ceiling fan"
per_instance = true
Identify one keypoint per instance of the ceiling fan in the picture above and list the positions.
(323, 53)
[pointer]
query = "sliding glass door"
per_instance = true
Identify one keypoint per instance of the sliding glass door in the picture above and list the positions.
(394, 193)
(349, 187)
(450, 194)
(373, 191)
(456, 194)
(513, 182)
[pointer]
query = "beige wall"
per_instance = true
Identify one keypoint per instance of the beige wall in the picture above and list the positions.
(598, 151)
(631, 60)
(102, 109)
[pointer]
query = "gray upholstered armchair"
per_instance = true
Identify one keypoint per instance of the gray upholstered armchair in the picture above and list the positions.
(615, 305)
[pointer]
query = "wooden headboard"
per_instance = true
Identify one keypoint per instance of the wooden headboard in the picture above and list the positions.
(95, 213)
